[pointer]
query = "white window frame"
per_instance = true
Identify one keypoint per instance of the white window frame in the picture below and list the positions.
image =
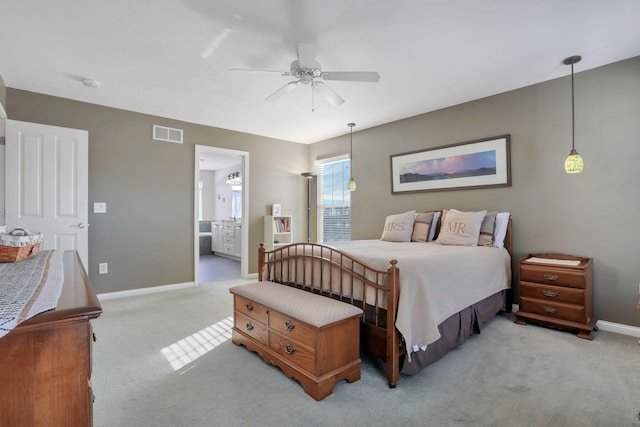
(319, 164)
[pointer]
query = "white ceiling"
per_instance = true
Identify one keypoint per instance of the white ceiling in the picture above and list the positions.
(171, 58)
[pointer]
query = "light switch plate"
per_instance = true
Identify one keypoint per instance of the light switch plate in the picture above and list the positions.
(99, 207)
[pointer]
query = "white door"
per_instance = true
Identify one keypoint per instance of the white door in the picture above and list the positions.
(46, 184)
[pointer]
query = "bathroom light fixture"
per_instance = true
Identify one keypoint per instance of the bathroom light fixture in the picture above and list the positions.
(309, 176)
(574, 163)
(352, 182)
(234, 178)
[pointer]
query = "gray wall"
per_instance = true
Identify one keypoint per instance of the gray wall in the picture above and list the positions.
(592, 214)
(146, 235)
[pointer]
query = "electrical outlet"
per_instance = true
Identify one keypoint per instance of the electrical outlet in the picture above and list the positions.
(103, 268)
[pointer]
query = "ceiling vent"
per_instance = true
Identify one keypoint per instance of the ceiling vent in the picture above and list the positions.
(162, 133)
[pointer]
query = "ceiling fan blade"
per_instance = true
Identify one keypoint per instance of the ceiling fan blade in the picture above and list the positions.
(282, 91)
(329, 94)
(257, 70)
(306, 55)
(352, 76)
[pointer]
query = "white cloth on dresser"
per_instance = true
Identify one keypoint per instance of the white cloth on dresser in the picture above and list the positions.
(29, 287)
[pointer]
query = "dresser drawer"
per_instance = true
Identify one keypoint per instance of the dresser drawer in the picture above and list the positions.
(251, 327)
(552, 275)
(552, 293)
(249, 308)
(296, 353)
(228, 233)
(554, 310)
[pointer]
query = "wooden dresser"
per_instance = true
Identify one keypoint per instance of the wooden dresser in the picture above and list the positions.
(559, 296)
(45, 362)
(317, 356)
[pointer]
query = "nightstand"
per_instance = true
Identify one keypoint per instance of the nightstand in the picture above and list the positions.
(556, 290)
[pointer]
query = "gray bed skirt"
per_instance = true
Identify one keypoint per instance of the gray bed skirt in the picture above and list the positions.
(454, 331)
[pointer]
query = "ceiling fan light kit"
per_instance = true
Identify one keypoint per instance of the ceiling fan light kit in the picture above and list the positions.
(308, 71)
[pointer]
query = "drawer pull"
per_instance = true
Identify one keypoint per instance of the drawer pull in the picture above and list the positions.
(289, 349)
(249, 307)
(550, 294)
(549, 309)
(249, 327)
(289, 325)
(550, 276)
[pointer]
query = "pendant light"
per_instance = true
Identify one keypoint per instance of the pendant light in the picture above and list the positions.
(574, 163)
(352, 182)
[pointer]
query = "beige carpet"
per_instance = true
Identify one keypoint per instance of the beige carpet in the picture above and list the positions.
(165, 360)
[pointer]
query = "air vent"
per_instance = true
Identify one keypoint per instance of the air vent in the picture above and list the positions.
(162, 133)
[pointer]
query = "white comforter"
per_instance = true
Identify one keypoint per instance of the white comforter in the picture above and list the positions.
(436, 280)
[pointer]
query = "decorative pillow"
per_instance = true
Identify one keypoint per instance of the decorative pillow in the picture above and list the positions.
(502, 221)
(398, 228)
(422, 226)
(487, 228)
(461, 228)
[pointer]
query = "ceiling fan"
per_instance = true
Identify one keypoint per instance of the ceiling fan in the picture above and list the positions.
(307, 71)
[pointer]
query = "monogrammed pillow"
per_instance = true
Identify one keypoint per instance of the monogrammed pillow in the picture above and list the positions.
(461, 228)
(398, 228)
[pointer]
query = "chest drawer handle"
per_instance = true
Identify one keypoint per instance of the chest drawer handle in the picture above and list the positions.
(549, 309)
(249, 307)
(289, 349)
(550, 276)
(249, 327)
(550, 294)
(289, 325)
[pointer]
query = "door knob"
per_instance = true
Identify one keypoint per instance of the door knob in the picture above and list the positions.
(81, 225)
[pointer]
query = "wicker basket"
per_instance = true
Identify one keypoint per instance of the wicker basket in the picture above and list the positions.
(19, 244)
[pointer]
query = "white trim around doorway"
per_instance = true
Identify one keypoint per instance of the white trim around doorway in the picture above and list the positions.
(244, 259)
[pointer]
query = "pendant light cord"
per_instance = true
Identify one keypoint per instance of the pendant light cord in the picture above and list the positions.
(573, 115)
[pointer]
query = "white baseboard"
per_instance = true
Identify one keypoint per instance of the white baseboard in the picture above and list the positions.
(154, 289)
(605, 325)
(144, 291)
(619, 328)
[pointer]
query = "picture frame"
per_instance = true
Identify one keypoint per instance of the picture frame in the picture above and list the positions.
(276, 209)
(481, 163)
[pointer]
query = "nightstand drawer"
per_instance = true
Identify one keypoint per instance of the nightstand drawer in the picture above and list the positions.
(570, 312)
(552, 275)
(552, 293)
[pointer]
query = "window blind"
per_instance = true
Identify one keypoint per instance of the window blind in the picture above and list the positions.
(334, 199)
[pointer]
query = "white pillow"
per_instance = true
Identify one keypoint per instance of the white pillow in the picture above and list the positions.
(432, 232)
(398, 228)
(502, 221)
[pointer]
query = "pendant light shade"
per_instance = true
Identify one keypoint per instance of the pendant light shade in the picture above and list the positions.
(352, 183)
(574, 163)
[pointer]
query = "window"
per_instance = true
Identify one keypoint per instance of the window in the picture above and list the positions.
(334, 199)
(236, 201)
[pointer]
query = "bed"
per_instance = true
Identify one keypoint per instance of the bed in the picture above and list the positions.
(411, 318)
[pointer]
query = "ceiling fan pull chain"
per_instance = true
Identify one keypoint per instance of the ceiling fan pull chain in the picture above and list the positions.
(313, 101)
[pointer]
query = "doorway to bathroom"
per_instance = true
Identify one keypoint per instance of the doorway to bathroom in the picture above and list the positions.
(220, 201)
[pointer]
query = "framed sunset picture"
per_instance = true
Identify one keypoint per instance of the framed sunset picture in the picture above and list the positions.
(483, 163)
